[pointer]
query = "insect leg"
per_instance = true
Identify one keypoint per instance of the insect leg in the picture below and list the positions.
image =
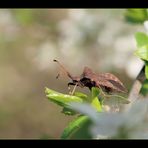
(70, 83)
(101, 90)
(74, 89)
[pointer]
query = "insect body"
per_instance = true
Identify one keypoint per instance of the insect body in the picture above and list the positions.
(106, 81)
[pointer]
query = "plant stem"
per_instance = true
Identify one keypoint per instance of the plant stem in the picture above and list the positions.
(135, 90)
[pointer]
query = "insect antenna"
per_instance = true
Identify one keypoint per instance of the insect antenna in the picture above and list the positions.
(64, 70)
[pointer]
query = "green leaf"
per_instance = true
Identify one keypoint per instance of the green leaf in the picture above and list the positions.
(81, 95)
(96, 104)
(142, 52)
(68, 111)
(74, 126)
(141, 39)
(94, 98)
(61, 99)
(136, 15)
(95, 92)
(146, 69)
(144, 89)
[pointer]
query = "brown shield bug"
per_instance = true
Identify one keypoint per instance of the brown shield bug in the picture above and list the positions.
(105, 81)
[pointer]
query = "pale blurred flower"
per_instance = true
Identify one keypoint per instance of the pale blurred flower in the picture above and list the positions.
(124, 47)
(146, 26)
(8, 26)
(133, 66)
(77, 14)
(106, 108)
(132, 124)
(6, 17)
(45, 54)
(108, 34)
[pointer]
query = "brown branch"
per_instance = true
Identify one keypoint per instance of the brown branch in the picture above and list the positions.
(135, 90)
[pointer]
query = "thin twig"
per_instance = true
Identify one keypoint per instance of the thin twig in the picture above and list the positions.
(135, 90)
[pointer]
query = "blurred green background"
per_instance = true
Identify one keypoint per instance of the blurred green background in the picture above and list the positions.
(29, 41)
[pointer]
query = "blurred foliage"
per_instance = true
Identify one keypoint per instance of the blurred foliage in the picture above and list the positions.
(141, 39)
(24, 17)
(139, 16)
(144, 89)
(77, 129)
(136, 15)
(131, 124)
(142, 53)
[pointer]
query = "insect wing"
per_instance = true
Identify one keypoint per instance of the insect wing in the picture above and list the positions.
(118, 85)
(105, 84)
(99, 80)
(87, 73)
